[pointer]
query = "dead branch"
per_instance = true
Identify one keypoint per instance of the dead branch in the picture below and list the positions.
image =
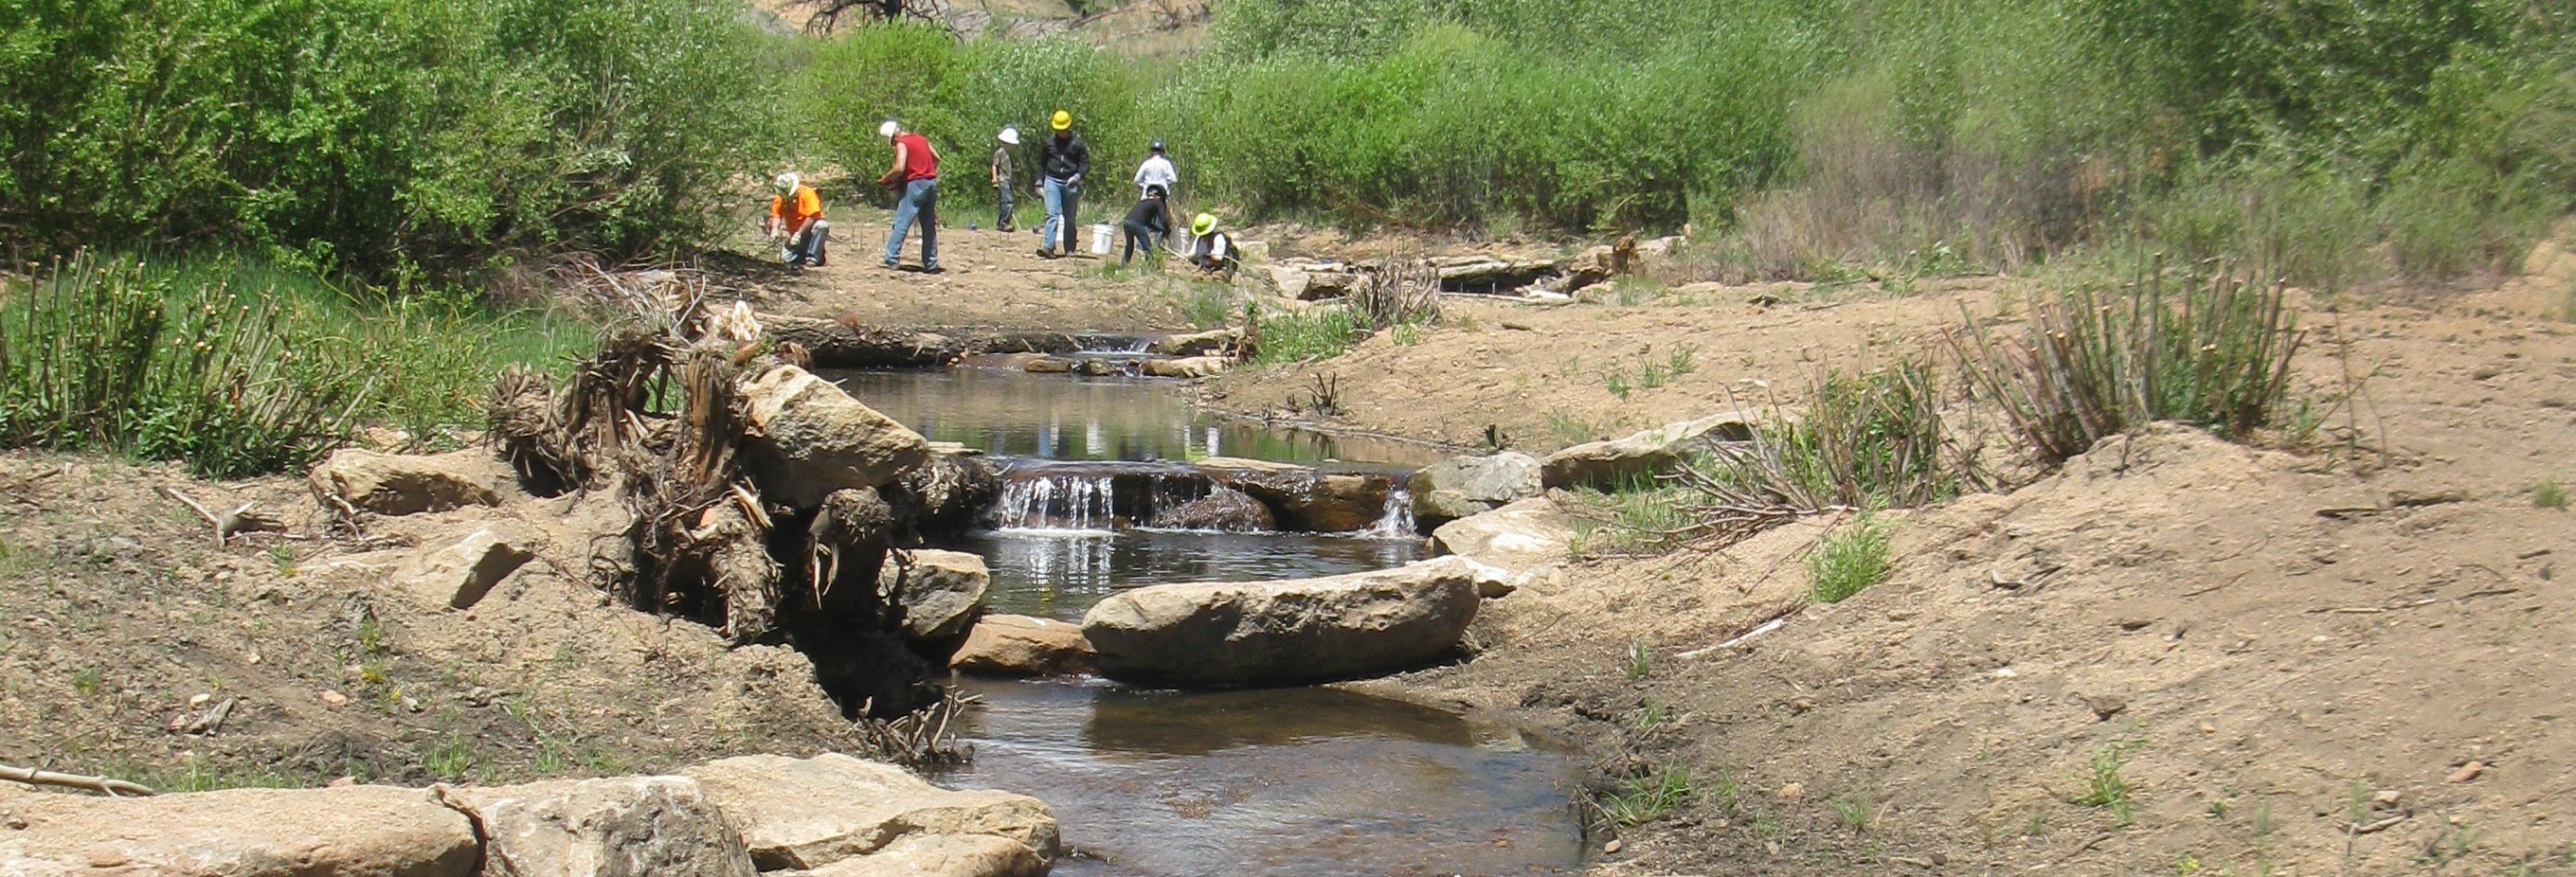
(113, 788)
(240, 520)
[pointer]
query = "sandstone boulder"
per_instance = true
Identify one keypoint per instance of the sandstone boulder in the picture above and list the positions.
(1284, 632)
(457, 576)
(1303, 499)
(1463, 486)
(1018, 645)
(1323, 284)
(1194, 343)
(1048, 365)
(948, 493)
(941, 592)
(603, 828)
(944, 855)
(808, 438)
(1521, 537)
(1289, 281)
(812, 812)
(401, 484)
(1609, 464)
(1224, 509)
(351, 831)
(1184, 367)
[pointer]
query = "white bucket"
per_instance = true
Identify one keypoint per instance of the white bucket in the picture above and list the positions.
(1100, 239)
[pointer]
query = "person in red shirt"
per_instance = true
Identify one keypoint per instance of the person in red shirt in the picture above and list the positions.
(796, 214)
(916, 169)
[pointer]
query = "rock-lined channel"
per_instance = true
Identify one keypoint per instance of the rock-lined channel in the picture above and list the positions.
(1295, 781)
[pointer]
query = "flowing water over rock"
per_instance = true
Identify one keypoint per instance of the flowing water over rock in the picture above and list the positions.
(1303, 781)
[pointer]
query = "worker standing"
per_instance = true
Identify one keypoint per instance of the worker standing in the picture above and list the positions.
(1062, 160)
(1157, 171)
(1004, 167)
(916, 169)
(796, 215)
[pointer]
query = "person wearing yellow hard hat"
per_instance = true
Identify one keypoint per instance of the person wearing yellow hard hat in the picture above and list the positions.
(1213, 251)
(1062, 160)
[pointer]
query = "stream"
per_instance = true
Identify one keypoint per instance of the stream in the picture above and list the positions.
(1294, 781)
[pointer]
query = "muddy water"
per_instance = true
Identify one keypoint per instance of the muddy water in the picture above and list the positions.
(1305, 781)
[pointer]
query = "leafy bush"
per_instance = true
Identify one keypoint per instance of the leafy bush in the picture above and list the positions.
(376, 136)
(1848, 561)
(2211, 350)
(240, 369)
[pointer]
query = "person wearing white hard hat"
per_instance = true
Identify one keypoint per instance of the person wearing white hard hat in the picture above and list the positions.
(1004, 167)
(796, 217)
(1157, 171)
(916, 169)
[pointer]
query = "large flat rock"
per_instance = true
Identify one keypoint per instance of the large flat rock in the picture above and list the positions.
(354, 831)
(1522, 537)
(808, 438)
(1018, 645)
(946, 855)
(1284, 632)
(1615, 463)
(406, 484)
(811, 812)
(652, 825)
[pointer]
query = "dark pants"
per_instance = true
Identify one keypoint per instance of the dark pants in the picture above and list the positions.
(1137, 231)
(1004, 222)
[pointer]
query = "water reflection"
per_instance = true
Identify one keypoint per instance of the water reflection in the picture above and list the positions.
(1065, 417)
(1060, 574)
(1286, 782)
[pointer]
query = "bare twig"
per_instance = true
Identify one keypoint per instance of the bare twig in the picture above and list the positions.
(114, 788)
(240, 520)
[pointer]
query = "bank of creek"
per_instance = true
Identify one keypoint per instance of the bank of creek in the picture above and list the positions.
(1306, 781)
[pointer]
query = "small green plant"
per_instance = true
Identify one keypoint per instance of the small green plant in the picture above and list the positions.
(2105, 788)
(452, 758)
(1406, 335)
(1640, 800)
(2549, 494)
(371, 636)
(88, 681)
(284, 557)
(1639, 661)
(1683, 360)
(1568, 429)
(1616, 381)
(1853, 810)
(1848, 561)
(1652, 375)
(1208, 305)
(1649, 717)
(1311, 336)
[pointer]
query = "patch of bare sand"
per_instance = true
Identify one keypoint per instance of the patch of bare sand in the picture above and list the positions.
(2268, 669)
(118, 610)
(991, 280)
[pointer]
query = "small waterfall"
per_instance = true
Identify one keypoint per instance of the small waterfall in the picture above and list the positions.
(1058, 502)
(1397, 521)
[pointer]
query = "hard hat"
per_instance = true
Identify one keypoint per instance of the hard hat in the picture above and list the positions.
(1158, 146)
(787, 183)
(1063, 121)
(889, 129)
(1202, 225)
(1011, 135)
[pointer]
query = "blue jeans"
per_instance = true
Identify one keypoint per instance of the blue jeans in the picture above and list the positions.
(920, 201)
(806, 247)
(1060, 200)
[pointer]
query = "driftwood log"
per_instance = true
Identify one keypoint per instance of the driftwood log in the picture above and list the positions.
(114, 788)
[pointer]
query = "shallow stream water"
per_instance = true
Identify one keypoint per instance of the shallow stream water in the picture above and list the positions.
(1299, 781)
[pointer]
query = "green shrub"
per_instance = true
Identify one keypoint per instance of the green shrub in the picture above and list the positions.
(1849, 560)
(377, 136)
(2211, 350)
(1313, 335)
(241, 369)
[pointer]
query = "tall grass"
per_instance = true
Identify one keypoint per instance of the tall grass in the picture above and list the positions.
(2201, 347)
(239, 369)
(1850, 560)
